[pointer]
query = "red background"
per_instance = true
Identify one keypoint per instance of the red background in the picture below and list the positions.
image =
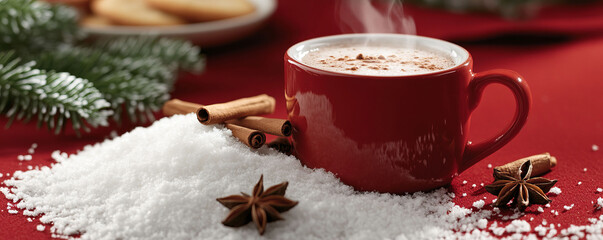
(559, 54)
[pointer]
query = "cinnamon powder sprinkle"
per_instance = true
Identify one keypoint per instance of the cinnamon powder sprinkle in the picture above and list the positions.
(379, 62)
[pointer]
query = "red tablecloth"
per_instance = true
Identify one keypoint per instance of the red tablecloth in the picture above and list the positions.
(564, 75)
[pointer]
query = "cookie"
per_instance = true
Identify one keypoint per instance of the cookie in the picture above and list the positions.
(95, 21)
(204, 10)
(134, 12)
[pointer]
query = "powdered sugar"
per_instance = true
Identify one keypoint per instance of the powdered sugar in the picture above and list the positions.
(555, 190)
(518, 226)
(24, 157)
(162, 181)
(567, 208)
(479, 204)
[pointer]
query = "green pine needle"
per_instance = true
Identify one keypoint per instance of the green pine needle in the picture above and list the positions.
(29, 25)
(169, 51)
(120, 76)
(140, 85)
(52, 97)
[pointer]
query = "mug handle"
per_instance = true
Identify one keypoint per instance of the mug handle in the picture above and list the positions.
(523, 99)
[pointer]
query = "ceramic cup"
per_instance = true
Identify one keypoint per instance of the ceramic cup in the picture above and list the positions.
(393, 133)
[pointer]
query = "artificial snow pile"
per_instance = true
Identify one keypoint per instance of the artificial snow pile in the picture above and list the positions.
(162, 182)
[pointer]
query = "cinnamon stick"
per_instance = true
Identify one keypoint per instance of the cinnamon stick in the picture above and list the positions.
(541, 164)
(250, 137)
(177, 106)
(282, 144)
(222, 112)
(278, 127)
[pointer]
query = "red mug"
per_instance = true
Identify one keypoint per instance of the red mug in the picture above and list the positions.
(393, 133)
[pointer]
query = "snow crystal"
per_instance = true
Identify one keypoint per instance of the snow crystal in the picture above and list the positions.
(567, 208)
(482, 223)
(489, 165)
(552, 232)
(599, 190)
(585, 169)
(599, 203)
(579, 183)
(518, 226)
(595, 147)
(464, 182)
(161, 182)
(40, 227)
(473, 185)
(479, 204)
(498, 231)
(59, 156)
(541, 230)
(555, 190)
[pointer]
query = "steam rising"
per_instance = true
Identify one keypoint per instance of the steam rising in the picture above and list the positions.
(370, 16)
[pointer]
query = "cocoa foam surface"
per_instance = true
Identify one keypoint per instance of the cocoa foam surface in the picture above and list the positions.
(376, 61)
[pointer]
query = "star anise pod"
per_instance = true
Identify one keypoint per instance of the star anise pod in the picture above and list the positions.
(520, 187)
(261, 206)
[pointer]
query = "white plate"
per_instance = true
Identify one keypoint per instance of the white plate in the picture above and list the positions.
(205, 34)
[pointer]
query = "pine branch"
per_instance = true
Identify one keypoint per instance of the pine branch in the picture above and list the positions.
(138, 85)
(134, 74)
(169, 51)
(53, 97)
(29, 25)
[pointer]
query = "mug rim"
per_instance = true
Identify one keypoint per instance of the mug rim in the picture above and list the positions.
(463, 63)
